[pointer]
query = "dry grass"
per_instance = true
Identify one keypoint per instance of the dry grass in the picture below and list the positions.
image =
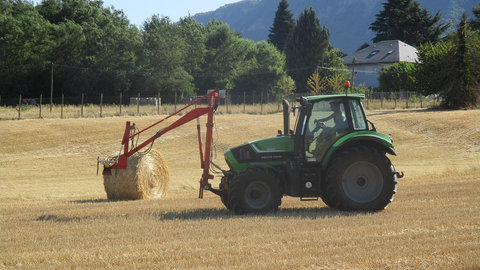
(94, 111)
(54, 212)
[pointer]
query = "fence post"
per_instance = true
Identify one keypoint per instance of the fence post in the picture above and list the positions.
(101, 105)
(261, 102)
(51, 89)
(158, 102)
(0, 101)
(421, 102)
(81, 108)
(244, 101)
(406, 101)
(382, 97)
(40, 107)
(175, 101)
(367, 97)
(19, 106)
(395, 99)
(61, 112)
(120, 104)
(138, 103)
(226, 103)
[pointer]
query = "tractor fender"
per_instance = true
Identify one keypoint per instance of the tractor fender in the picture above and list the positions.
(373, 139)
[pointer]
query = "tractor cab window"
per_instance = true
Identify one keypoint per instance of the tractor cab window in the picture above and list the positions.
(358, 117)
(326, 124)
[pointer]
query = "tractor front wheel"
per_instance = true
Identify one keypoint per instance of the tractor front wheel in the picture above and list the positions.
(224, 195)
(360, 179)
(255, 190)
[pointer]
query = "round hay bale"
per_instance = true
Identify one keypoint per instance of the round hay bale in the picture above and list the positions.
(146, 177)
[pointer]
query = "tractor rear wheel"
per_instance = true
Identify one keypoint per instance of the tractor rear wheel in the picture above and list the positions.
(254, 190)
(360, 179)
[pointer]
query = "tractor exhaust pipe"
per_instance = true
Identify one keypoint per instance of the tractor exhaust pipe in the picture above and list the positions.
(286, 117)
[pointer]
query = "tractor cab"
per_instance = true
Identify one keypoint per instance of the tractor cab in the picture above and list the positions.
(323, 120)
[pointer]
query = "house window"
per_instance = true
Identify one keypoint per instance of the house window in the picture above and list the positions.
(373, 53)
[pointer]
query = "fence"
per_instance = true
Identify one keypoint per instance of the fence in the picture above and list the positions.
(106, 106)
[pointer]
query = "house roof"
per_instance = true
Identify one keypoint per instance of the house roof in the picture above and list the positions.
(388, 51)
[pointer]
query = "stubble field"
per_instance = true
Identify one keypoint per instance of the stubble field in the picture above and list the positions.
(54, 212)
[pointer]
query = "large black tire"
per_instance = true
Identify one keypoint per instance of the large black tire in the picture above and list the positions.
(360, 179)
(254, 190)
(224, 198)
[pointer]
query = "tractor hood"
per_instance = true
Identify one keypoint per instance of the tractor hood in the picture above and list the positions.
(269, 152)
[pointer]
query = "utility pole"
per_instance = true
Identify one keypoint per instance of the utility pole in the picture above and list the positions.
(51, 89)
(353, 72)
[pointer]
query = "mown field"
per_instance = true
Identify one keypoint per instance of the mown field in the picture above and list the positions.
(54, 212)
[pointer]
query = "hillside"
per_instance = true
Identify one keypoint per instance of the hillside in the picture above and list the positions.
(347, 20)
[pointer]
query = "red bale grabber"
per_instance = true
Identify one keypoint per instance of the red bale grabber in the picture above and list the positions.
(130, 137)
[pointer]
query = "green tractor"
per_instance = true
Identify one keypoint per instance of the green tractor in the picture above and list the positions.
(333, 153)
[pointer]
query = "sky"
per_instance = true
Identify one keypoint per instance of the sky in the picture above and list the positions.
(138, 11)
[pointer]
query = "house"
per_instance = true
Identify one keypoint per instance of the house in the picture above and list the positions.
(368, 62)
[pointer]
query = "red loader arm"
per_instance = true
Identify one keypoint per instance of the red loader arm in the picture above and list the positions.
(120, 162)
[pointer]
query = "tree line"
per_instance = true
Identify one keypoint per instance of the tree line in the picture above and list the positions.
(91, 49)
(81, 47)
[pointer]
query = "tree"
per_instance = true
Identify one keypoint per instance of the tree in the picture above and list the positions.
(94, 49)
(261, 74)
(222, 56)
(286, 86)
(451, 68)
(463, 90)
(316, 85)
(335, 83)
(332, 64)
(475, 23)
(282, 25)
(397, 77)
(194, 37)
(163, 58)
(24, 46)
(433, 70)
(235, 63)
(406, 21)
(305, 48)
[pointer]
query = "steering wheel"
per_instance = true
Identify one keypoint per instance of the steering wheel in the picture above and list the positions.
(318, 125)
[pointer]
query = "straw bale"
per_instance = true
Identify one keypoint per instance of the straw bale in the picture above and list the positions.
(146, 177)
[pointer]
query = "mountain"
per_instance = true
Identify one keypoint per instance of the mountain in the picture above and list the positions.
(347, 20)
